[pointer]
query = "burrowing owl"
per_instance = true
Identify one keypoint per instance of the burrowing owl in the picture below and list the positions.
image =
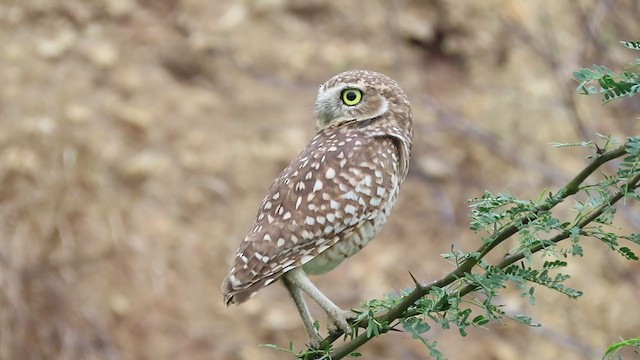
(333, 198)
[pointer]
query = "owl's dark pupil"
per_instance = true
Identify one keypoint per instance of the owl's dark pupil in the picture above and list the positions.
(351, 96)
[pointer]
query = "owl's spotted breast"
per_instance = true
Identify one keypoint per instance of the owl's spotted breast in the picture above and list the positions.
(377, 196)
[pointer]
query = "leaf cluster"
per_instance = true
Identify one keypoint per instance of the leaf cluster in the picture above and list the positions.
(600, 80)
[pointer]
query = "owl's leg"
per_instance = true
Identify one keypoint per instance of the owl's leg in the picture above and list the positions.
(298, 299)
(339, 317)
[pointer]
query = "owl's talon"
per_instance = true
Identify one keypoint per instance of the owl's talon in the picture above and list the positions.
(340, 320)
(315, 340)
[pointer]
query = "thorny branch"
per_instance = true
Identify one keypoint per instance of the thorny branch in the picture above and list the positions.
(421, 290)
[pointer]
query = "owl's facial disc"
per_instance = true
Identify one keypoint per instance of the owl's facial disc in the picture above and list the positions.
(346, 103)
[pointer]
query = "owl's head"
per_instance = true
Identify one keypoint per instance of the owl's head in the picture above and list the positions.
(361, 95)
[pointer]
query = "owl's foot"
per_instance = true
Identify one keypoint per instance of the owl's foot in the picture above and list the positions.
(340, 320)
(297, 282)
(314, 339)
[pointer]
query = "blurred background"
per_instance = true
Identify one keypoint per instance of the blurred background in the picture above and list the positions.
(137, 138)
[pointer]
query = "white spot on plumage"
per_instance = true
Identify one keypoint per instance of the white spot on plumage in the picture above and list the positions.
(309, 220)
(268, 205)
(294, 239)
(298, 202)
(234, 281)
(330, 174)
(380, 191)
(350, 209)
(287, 215)
(280, 242)
(266, 237)
(276, 196)
(350, 195)
(320, 220)
(334, 205)
(317, 186)
(269, 218)
(367, 180)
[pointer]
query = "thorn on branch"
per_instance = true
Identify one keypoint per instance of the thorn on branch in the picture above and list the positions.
(419, 285)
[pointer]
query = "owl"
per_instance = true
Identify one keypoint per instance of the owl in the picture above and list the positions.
(333, 199)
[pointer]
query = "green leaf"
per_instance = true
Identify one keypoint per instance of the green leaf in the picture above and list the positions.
(554, 264)
(480, 320)
(627, 253)
(422, 327)
(526, 320)
(614, 348)
(635, 45)
(434, 352)
(373, 326)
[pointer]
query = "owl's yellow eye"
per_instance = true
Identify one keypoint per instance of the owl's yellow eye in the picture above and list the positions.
(351, 97)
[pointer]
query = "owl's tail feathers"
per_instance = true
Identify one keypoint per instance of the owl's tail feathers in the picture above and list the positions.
(236, 293)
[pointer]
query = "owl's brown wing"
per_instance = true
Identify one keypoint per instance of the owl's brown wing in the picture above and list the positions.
(339, 181)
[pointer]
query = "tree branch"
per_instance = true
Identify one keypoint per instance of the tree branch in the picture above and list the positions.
(571, 188)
